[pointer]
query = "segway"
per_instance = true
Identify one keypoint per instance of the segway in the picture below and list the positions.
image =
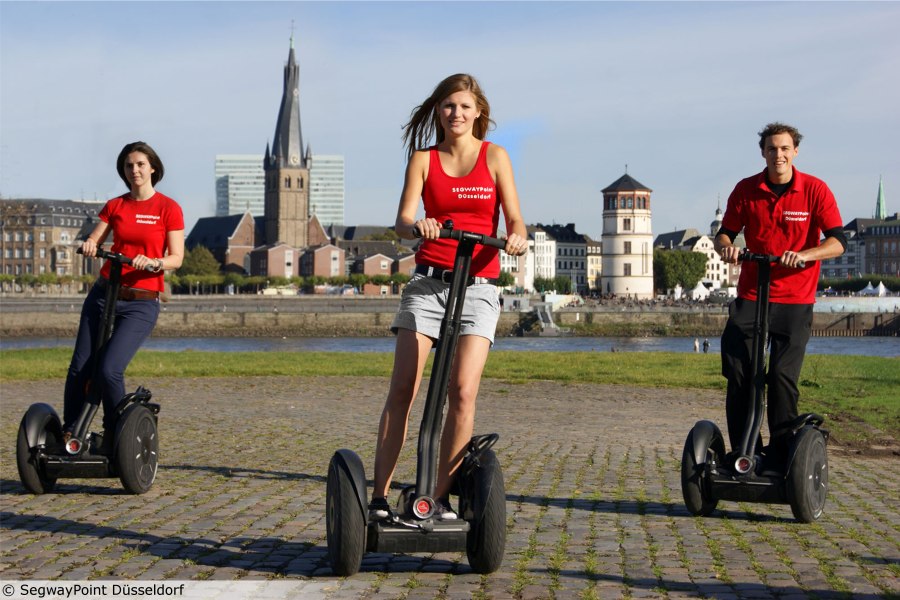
(481, 528)
(44, 454)
(708, 474)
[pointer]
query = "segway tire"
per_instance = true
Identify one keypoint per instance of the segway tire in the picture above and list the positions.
(345, 522)
(486, 540)
(807, 480)
(697, 499)
(136, 453)
(32, 475)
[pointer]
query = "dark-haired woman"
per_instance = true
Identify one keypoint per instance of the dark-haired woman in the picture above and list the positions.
(148, 227)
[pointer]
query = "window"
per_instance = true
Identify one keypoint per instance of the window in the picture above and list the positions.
(626, 224)
(287, 182)
(627, 269)
(42, 236)
(18, 236)
(630, 202)
(627, 247)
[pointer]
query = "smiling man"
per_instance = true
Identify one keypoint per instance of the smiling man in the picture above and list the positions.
(784, 213)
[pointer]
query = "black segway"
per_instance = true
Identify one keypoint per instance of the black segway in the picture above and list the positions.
(708, 474)
(481, 528)
(44, 454)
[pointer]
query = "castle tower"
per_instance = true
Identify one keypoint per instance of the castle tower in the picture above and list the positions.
(627, 263)
(286, 168)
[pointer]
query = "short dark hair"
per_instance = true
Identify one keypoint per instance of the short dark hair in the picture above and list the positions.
(152, 156)
(776, 128)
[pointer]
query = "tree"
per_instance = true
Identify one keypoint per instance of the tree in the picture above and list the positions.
(543, 284)
(199, 261)
(506, 279)
(673, 267)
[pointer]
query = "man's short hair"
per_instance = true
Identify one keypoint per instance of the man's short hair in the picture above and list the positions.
(776, 128)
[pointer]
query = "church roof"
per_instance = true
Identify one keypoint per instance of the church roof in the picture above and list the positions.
(626, 183)
(675, 239)
(287, 146)
(213, 232)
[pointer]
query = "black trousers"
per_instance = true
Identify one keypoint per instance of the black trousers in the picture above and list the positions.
(789, 329)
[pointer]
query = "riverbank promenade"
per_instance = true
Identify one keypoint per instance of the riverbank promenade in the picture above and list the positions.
(593, 501)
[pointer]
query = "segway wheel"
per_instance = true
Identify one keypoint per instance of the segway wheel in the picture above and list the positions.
(486, 540)
(31, 473)
(345, 522)
(137, 449)
(697, 499)
(807, 480)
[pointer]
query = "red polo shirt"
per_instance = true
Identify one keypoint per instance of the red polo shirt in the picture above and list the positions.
(773, 225)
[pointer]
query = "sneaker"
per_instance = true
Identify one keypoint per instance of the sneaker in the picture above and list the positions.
(443, 512)
(379, 509)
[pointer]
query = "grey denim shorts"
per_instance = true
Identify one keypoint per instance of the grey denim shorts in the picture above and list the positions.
(424, 301)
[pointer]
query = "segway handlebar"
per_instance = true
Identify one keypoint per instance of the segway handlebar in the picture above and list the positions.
(113, 256)
(746, 255)
(458, 234)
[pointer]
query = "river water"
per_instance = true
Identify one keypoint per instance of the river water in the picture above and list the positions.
(865, 346)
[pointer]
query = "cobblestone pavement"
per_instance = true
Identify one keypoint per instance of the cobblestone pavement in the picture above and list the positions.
(593, 499)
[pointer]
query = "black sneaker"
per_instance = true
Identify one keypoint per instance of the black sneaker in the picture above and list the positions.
(379, 509)
(443, 512)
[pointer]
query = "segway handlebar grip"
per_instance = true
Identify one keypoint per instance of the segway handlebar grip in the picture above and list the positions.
(746, 255)
(459, 235)
(101, 253)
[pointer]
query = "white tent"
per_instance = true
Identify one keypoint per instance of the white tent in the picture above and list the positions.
(881, 290)
(868, 290)
(700, 292)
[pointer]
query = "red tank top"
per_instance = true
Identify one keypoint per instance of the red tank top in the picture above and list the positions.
(472, 203)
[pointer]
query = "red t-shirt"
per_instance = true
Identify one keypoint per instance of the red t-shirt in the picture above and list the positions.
(140, 227)
(774, 225)
(472, 203)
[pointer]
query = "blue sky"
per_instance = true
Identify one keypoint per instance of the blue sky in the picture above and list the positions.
(675, 90)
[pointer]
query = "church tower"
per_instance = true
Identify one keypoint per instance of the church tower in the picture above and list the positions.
(286, 167)
(880, 211)
(627, 263)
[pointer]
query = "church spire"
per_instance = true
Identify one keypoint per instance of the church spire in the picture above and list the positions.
(287, 146)
(880, 211)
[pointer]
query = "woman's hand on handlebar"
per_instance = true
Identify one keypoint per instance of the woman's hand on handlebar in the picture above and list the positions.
(89, 248)
(516, 245)
(428, 229)
(144, 263)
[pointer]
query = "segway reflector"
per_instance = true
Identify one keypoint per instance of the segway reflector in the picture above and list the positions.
(423, 507)
(73, 446)
(743, 464)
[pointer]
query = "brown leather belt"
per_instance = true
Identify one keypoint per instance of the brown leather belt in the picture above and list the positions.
(127, 293)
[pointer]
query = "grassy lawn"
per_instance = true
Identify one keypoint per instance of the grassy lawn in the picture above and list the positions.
(859, 395)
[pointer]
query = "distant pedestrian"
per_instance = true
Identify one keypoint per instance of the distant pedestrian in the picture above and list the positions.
(696, 345)
(705, 345)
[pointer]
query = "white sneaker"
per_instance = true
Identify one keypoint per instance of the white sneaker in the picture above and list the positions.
(443, 512)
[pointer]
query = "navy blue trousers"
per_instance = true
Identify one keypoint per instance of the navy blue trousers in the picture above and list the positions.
(789, 330)
(134, 320)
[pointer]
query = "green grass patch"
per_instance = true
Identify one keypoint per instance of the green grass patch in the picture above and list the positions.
(855, 393)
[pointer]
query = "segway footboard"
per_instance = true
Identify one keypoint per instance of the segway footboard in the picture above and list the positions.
(402, 536)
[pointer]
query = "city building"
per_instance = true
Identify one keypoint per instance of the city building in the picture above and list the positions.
(240, 184)
(570, 259)
(627, 263)
(326, 188)
(882, 241)
(594, 256)
(39, 236)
